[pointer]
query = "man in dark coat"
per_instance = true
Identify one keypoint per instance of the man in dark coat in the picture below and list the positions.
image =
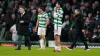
(23, 27)
(78, 25)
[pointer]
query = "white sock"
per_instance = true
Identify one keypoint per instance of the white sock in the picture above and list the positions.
(56, 47)
(41, 43)
(59, 48)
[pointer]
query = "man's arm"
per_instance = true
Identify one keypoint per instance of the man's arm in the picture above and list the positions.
(27, 19)
(47, 22)
(37, 23)
(17, 22)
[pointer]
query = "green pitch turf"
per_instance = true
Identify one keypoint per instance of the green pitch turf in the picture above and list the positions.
(10, 51)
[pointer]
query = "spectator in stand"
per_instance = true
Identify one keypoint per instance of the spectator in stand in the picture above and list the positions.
(34, 17)
(67, 9)
(11, 4)
(98, 18)
(2, 27)
(65, 28)
(89, 25)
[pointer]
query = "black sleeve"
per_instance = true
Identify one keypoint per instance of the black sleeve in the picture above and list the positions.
(82, 22)
(27, 19)
(17, 22)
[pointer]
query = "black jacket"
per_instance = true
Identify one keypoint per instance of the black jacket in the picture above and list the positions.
(78, 23)
(23, 28)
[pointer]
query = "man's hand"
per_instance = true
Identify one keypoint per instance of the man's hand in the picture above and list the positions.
(11, 30)
(54, 9)
(83, 31)
(21, 21)
(44, 26)
(70, 28)
(35, 29)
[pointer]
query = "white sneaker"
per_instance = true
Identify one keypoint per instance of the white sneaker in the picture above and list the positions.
(87, 49)
(69, 48)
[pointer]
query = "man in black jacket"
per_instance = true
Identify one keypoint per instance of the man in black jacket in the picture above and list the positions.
(23, 27)
(78, 26)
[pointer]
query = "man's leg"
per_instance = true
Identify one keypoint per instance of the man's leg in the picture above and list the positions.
(75, 36)
(42, 38)
(83, 40)
(57, 33)
(19, 42)
(58, 43)
(27, 39)
(74, 42)
(42, 42)
(2, 32)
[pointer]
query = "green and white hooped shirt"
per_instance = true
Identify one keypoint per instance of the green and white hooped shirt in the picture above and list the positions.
(42, 19)
(58, 15)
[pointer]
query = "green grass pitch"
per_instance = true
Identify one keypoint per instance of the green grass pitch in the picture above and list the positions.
(10, 51)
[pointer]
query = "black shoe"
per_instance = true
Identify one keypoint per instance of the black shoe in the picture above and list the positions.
(17, 49)
(69, 48)
(29, 48)
(87, 49)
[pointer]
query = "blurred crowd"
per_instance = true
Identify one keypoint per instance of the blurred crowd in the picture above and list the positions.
(90, 10)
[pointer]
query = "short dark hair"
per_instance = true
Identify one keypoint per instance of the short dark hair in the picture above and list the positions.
(22, 7)
(77, 9)
(60, 3)
(41, 7)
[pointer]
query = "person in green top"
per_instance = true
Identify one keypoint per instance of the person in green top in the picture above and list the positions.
(42, 23)
(58, 15)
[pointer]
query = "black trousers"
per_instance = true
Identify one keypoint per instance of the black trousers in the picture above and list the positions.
(79, 34)
(27, 39)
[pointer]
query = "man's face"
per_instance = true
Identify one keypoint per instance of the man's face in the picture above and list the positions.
(47, 9)
(57, 5)
(34, 11)
(96, 2)
(89, 15)
(76, 12)
(98, 12)
(74, 0)
(93, 5)
(21, 10)
(13, 16)
(39, 10)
